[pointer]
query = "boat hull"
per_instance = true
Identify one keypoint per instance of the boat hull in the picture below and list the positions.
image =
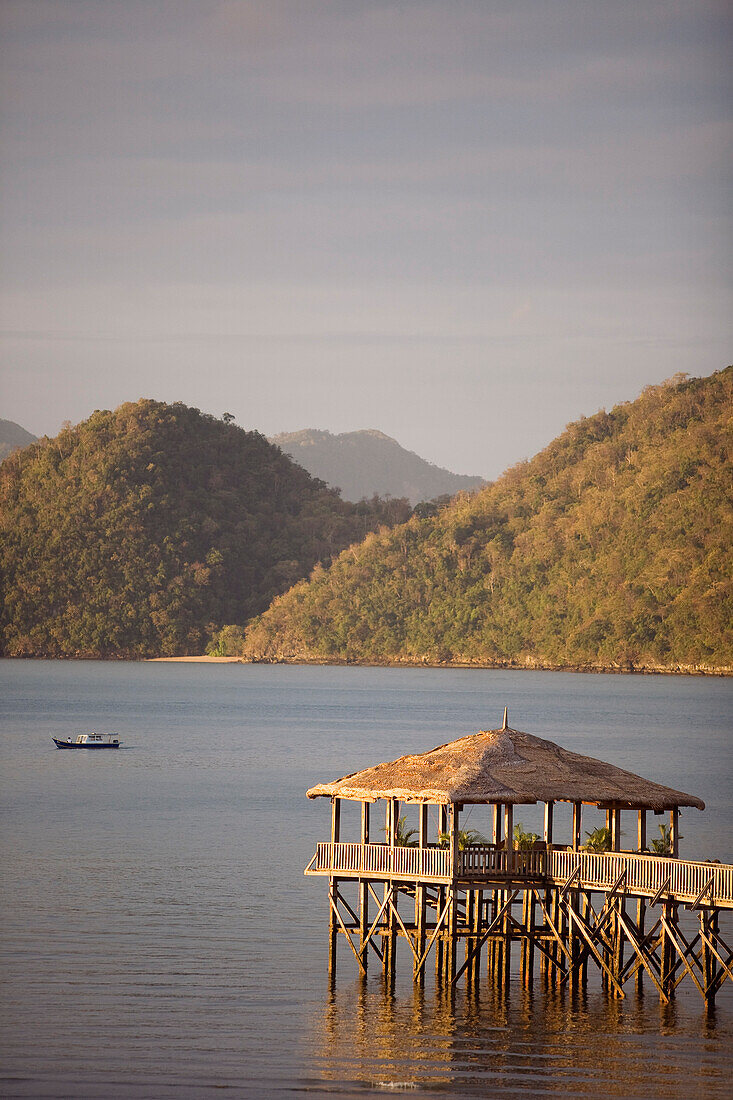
(89, 745)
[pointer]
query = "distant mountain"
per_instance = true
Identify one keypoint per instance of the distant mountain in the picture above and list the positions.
(610, 549)
(142, 531)
(12, 436)
(363, 463)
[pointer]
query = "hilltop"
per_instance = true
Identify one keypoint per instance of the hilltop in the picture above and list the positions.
(143, 530)
(610, 549)
(363, 463)
(13, 437)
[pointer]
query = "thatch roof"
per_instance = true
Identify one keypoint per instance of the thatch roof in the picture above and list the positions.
(504, 766)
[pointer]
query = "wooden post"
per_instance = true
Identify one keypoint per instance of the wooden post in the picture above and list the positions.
(453, 815)
(527, 956)
(333, 888)
(451, 937)
(364, 891)
(641, 831)
(509, 834)
(335, 820)
(615, 829)
(478, 908)
(674, 831)
(707, 959)
(618, 938)
(641, 903)
(496, 826)
(577, 824)
(390, 943)
(549, 808)
(667, 949)
(420, 937)
(442, 898)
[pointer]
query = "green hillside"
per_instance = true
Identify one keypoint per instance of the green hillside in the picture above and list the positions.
(142, 530)
(611, 548)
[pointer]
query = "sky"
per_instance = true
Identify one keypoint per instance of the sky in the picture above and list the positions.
(464, 223)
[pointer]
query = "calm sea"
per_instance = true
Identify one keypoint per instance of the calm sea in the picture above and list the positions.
(159, 938)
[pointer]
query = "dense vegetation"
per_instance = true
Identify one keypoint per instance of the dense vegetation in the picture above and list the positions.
(363, 463)
(141, 531)
(611, 548)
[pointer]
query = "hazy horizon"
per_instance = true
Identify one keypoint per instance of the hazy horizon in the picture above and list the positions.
(463, 225)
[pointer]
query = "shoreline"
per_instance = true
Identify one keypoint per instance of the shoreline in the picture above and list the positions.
(510, 666)
(202, 660)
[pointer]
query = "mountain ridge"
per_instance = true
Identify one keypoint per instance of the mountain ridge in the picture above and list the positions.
(13, 437)
(367, 462)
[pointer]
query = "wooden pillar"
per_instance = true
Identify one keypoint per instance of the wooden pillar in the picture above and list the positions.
(364, 890)
(451, 936)
(618, 938)
(420, 909)
(390, 940)
(491, 912)
(555, 952)
(442, 897)
(667, 949)
(496, 825)
(641, 834)
(453, 817)
(335, 820)
(333, 888)
(548, 835)
(577, 824)
(615, 829)
(707, 959)
(674, 831)
(549, 808)
(528, 923)
(508, 833)
(641, 903)
(477, 927)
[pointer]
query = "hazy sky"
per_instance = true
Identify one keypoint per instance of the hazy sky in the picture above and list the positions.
(462, 222)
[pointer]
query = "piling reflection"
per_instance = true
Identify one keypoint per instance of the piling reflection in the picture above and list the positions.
(521, 1042)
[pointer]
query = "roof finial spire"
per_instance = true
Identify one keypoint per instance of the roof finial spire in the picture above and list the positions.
(506, 719)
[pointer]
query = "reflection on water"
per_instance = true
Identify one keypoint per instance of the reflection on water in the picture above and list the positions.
(155, 901)
(483, 1042)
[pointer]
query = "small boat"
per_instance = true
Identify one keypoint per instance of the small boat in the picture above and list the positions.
(88, 741)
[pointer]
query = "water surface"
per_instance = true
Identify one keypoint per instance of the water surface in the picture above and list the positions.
(158, 935)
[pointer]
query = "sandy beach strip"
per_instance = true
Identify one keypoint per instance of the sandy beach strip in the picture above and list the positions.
(206, 660)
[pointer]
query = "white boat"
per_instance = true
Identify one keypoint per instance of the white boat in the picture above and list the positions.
(89, 741)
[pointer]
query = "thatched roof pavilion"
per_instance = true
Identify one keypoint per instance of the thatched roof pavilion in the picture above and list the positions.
(508, 767)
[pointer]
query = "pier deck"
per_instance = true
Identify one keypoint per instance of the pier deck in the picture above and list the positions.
(689, 882)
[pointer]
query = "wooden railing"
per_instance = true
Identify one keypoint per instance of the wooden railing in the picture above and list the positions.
(681, 879)
(488, 861)
(381, 860)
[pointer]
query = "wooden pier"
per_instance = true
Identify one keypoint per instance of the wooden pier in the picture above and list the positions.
(468, 902)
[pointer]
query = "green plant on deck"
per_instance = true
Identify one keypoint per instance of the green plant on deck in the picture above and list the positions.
(524, 842)
(404, 837)
(466, 838)
(662, 845)
(599, 840)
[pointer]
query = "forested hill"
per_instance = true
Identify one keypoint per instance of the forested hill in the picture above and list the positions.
(140, 531)
(367, 462)
(610, 549)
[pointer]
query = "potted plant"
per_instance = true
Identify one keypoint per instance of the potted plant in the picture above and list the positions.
(599, 840)
(662, 845)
